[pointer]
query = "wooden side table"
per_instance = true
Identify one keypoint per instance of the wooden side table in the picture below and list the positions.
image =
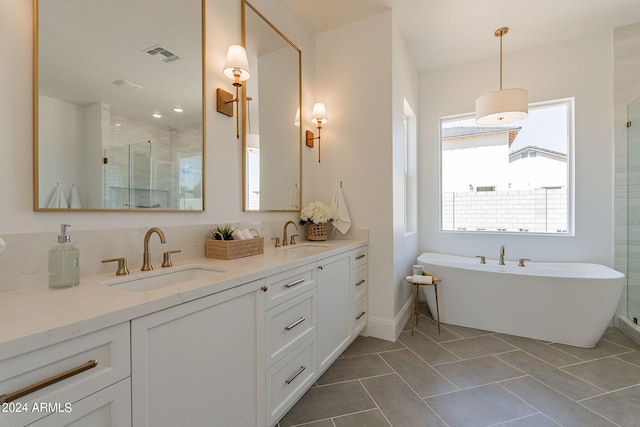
(416, 287)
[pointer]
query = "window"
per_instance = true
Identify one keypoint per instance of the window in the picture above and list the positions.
(512, 178)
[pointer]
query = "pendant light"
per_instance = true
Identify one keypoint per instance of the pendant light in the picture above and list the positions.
(505, 105)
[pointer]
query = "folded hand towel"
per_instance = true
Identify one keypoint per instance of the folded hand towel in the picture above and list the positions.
(57, 200)
(75, 198)
(423, 280)
(342, 221)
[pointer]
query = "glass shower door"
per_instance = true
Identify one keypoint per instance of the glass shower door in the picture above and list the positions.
(633, 212)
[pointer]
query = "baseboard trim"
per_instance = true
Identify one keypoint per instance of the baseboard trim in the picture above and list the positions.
(628, 327)
(389, 330)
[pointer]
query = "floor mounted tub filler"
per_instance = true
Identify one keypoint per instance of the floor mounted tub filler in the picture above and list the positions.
(568, 303)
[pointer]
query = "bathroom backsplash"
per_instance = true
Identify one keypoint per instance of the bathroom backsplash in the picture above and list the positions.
(24, 261)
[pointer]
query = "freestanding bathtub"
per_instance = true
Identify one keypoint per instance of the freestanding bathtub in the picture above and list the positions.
(569, 303)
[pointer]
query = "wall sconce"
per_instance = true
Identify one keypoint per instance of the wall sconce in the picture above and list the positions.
(236, 67)
(319, 118)
(504, 106)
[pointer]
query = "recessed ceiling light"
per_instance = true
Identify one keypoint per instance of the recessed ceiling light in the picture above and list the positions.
(157, 115)
(178, 110)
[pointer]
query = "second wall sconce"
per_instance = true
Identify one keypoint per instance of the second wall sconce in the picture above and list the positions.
(236, 67)
(319, 118)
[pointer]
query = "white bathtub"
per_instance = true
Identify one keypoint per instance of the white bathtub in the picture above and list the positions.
(569, 303)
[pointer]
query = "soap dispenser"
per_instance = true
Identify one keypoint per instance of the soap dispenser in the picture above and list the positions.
(64, 262)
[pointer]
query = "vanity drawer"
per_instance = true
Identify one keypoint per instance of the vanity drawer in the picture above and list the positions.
(359, 315)
(360, 256)
(360, 282)
(289, 379)
(289, 324)
(288, 284)
(63, 373)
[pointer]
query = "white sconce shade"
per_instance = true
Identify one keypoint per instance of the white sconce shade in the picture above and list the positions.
(502, 107)
(237, 63)
(296, 122)
(319, 114)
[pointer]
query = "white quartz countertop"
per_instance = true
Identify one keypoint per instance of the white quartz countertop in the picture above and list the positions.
(35, 317)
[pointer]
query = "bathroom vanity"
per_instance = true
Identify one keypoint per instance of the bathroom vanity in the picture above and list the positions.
(206, 342)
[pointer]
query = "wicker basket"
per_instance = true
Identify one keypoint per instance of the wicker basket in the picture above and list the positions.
(232, 249)
(317, 231)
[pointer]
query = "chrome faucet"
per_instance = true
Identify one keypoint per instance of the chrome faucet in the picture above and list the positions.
(501, 262)
(284, 236)
(146, 265)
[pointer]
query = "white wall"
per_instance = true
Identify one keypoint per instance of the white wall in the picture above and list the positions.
(579, 68)
(354, 77)
(224, 162)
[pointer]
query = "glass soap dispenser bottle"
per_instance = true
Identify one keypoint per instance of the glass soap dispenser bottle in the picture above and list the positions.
(64, 262)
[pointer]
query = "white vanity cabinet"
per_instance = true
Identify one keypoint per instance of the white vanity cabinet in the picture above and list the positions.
(291, 341)
(201, 363)
(360, 289)
(334, 308)
(70, 383)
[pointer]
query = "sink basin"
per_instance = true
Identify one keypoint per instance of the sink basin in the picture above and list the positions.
(305, 247)
(161, 279)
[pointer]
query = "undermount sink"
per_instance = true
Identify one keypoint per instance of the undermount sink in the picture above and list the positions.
(310, 247)
(162, 278)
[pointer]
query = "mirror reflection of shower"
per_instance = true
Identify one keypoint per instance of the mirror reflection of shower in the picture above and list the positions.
(151, 175)
(633, 211)
(252, 163)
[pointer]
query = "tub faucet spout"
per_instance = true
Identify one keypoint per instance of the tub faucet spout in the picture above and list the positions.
(501, 262)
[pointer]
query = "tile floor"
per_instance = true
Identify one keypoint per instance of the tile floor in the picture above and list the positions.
(467, 377)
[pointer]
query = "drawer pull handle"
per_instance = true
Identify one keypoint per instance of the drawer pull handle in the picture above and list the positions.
(359, 316)
(360, 256)
(292, 284)
(10, 397)
(294, 324)
(360, 282)
(290, 380)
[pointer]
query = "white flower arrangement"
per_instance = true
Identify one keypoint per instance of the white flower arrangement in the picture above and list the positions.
(316, 213)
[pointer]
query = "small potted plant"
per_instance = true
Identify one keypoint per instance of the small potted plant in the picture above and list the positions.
(316, 215)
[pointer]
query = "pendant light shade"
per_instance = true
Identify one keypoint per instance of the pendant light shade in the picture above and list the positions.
(503, 106)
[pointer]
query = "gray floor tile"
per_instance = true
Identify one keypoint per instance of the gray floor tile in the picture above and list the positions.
(427, 349)
(631, 357)
(478, 371)
(425, 380)
(323, 423)
(320, 403)
(545, 352)
(362, 419)
(556, 406)
(480, 406)
(400, 405)
(621, 339)
(537, 420)
(565, 383)
(478, 346)
(367, 345)
(609, 374)
(430, 328)
(602, 349)
(621, 407)
(466, 332)
(353, 368)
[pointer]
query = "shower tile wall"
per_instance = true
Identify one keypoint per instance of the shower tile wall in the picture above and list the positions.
(626, 59)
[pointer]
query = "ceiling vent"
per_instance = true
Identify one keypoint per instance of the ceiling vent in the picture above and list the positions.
(162, 53)
(126, 84)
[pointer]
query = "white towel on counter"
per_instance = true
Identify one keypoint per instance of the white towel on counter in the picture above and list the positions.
(57, 200)
(76, 203)
(342, 221)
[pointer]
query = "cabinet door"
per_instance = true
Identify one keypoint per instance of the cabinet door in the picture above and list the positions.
(110, 407)
(198, 364)
(334, 308)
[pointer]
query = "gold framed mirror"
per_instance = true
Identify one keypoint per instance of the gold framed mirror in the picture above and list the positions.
(272, 137)
(119, 96)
